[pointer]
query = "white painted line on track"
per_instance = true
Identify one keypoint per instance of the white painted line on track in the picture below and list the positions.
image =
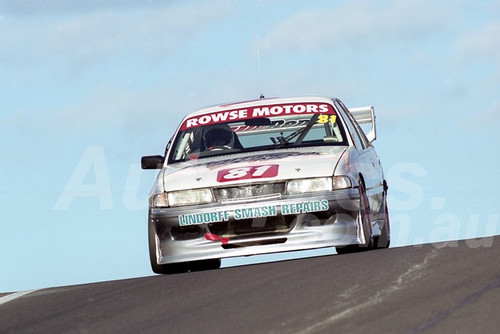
(15, 295)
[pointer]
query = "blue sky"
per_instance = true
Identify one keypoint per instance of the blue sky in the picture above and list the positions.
(88, 87)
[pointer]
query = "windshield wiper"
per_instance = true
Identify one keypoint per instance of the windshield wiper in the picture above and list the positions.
(284, 141)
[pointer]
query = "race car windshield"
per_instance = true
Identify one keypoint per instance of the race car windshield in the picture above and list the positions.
(257, 134)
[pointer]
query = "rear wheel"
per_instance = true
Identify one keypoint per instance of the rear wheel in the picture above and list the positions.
(384, 239)
(364, 217)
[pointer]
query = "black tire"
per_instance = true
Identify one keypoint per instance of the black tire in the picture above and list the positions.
(364, 212)
(202, 265)
(384, 239)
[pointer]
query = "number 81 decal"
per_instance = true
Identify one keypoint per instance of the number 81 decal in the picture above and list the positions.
(322, 119)
(243, 173)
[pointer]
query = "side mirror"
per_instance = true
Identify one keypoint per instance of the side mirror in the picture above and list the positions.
(152, 162)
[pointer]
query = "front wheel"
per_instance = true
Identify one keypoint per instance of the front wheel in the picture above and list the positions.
(364, 217)
(157, 268)
(201, 265)
(176, 268)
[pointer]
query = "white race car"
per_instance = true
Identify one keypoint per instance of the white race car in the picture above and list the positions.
(265, 176)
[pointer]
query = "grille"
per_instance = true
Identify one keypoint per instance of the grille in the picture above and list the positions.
(253, 227)
(249, 192)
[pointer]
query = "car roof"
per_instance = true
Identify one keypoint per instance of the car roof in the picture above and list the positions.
(258, 102)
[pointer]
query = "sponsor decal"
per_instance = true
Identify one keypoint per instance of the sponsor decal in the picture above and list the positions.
(258, 112)
(243, 173)
(253, 212)
(304, 207)
(203, 218)
(276, 123)
(250, 213)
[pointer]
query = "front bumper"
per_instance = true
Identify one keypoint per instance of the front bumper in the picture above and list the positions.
(256, 227)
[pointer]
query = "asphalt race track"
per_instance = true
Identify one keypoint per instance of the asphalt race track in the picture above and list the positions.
(435, 288)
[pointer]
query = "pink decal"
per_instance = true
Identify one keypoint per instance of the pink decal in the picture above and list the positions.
(243, 173)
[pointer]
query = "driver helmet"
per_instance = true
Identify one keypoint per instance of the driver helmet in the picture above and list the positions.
(218, 136)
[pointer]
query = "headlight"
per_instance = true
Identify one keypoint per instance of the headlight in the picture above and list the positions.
(159, 200)
(341, 182)
(190, 197)
(309, 185)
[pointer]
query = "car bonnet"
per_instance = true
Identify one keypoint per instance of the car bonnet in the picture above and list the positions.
(256, 167)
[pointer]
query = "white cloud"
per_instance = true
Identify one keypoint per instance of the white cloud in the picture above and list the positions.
(482, 121)
(354, 25)
(35, 7)
(113, 108)
(87, 37)
(482, 42)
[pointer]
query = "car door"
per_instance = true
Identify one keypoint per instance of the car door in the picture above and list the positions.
(367, 161)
